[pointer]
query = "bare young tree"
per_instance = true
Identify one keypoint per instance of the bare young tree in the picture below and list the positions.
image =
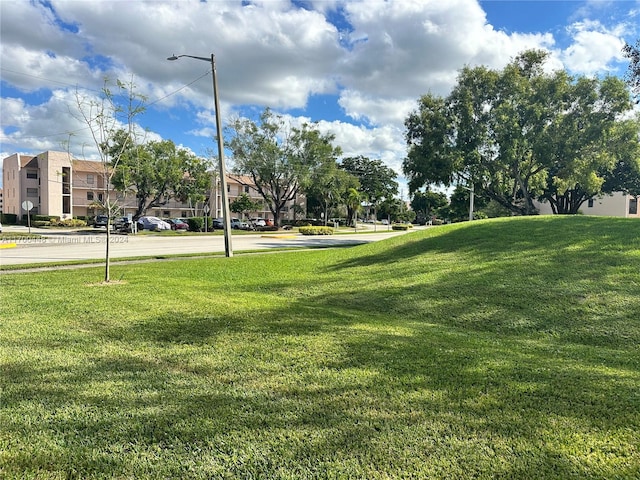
(106, 115)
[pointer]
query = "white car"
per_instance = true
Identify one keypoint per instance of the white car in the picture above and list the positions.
(152, 223)
(0, 227)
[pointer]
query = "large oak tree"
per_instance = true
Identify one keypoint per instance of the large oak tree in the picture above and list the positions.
(280, 158)
(377, 181)
(520, 134)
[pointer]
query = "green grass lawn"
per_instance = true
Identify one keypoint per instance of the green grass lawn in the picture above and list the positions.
(496, 349)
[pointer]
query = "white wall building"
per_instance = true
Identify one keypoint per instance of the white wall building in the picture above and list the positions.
(615, 205)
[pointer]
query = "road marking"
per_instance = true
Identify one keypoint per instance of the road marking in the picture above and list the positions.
(7, 245)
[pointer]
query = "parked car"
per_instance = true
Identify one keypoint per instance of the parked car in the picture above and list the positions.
(218, 223)
(177, 224)
(235, 223)
(259, 222)
(0, 227)
(152, 223)
(123, 225)
(100, 221)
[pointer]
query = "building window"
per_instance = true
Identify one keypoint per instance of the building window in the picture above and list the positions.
(32, 192)
(90, 179)
(184, 214)
(633, 206)
(590, 203)
(246, 189)
(100, 197)
(66, 180)
(90, 196)
(166, 213)
(66, 204)
(32, 174)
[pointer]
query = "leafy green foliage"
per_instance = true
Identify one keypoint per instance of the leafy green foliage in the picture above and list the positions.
(158, 171)
(279, 158)
(377, 181)
(632, 52)
(493, 349)
(244, 205)
(427, 204)
(315, 230)
(328, 190)
(521, 134)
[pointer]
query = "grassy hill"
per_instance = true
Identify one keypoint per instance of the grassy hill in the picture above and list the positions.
(496, 349)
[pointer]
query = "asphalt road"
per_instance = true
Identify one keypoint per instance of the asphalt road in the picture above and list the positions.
(66, 246)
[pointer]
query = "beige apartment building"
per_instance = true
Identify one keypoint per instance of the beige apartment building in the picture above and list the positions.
(61, 186)
(616, 205)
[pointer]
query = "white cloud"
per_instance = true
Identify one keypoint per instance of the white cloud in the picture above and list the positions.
(53, 125)
(595, 48)
(377, 110)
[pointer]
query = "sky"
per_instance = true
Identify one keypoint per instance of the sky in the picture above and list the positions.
(356, 68)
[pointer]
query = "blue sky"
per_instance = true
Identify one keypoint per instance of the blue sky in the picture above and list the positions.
(356, 68)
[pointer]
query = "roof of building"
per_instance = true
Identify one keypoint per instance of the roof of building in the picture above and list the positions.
(88, 166)
(28, 161)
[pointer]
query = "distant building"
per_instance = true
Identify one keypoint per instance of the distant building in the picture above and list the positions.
(616, 205)
(58, 185)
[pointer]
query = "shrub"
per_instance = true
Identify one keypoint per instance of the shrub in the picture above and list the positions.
(196, 224)
(40, 223)
(311, 230)
(72, 222)
(45, 218)
(302, 222)
(9, 218)
(267, 228)
(400, 226)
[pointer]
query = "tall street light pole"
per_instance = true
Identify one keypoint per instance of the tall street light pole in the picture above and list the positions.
(226, 217)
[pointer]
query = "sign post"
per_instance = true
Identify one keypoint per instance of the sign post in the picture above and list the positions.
(206, 217)
(27, 205)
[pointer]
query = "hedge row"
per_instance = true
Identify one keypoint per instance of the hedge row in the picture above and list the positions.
(42, 220)
(56, 222)
(401, 226)
(311, 230)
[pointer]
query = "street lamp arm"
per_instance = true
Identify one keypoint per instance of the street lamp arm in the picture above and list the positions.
(176, 57)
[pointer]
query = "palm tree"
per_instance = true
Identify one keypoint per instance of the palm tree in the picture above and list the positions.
(353, 205)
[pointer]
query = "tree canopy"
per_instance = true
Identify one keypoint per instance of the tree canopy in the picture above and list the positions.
(377, 181)
(633, 73)
(279, 158)
(427, 204)
(158, 171)
(521, 134)
(244, 205)
(328, 189)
